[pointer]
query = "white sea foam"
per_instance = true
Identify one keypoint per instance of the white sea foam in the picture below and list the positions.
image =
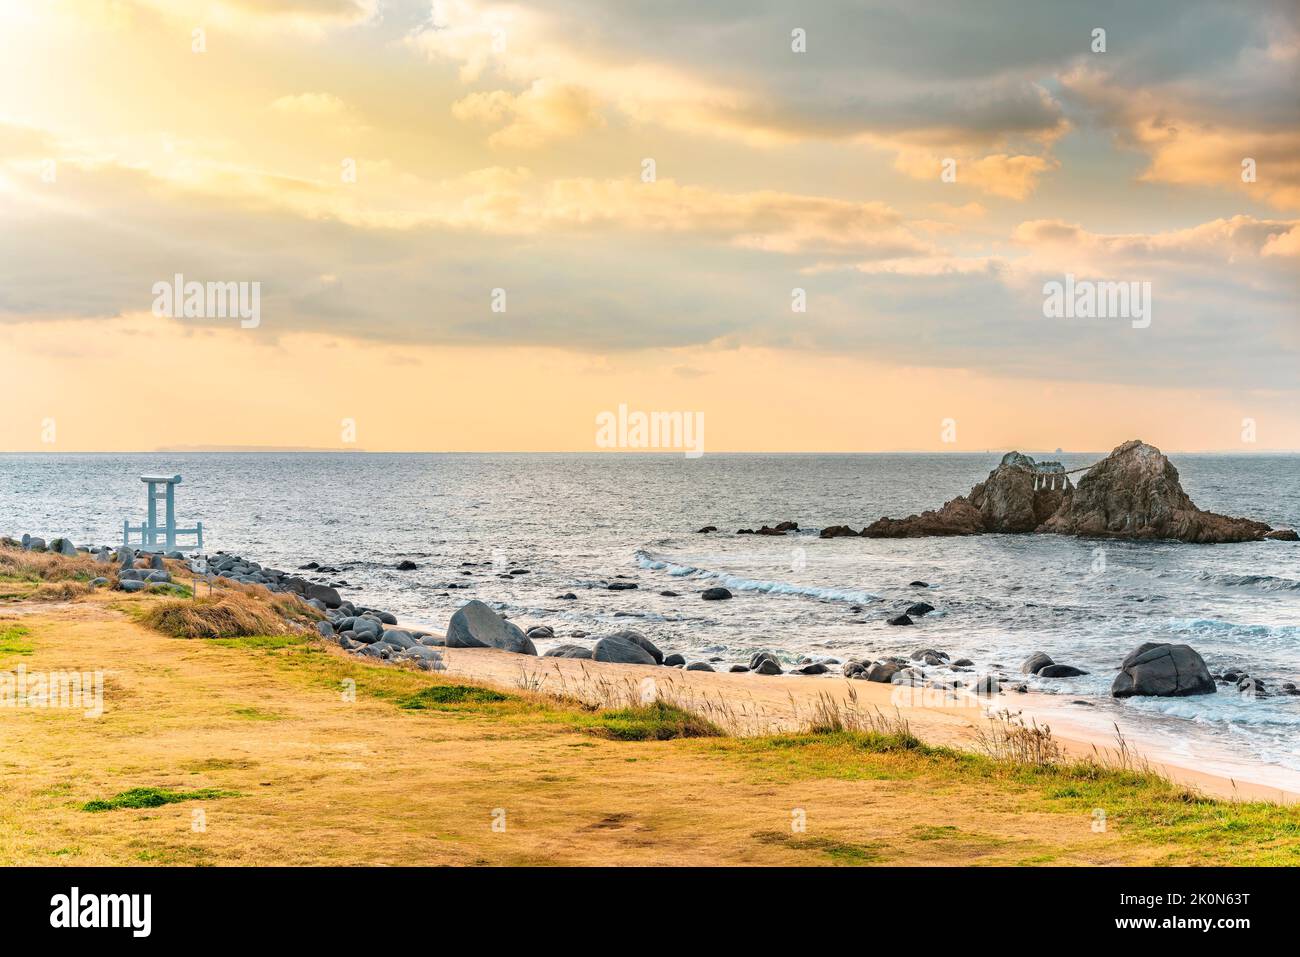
(766, 586)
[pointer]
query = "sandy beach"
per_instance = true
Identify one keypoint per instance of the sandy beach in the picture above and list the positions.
(756, 704)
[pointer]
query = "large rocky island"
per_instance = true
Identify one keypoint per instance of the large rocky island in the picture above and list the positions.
(1133, 493)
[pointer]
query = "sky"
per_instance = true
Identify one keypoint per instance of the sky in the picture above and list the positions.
(481, 225)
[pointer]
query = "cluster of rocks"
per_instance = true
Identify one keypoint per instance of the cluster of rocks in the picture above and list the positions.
(1157, 669)
(1248, 684)
(911, 671)
(32, 543)
(1041, 664)
(915, 610)
(323, 597)
(780, 528)
(371, 633)
(1133, 493)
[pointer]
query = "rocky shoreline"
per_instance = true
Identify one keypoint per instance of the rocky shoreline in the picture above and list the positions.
(1152, 669)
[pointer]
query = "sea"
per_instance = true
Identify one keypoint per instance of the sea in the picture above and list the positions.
(575, 523)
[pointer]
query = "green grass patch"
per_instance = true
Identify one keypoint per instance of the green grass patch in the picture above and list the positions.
(934, 832)
(841, 852)
(154, 797)
(170, 588)
(14, 640)
(440, 697)
(659, 721)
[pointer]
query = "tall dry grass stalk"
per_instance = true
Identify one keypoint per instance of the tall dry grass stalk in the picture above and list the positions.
(592, 690)
(1008, 737)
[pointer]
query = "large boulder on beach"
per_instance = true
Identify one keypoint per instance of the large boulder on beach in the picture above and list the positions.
(1162, 670)
(883, 672)
(715, 594)
(621, 651)
(765, 663)
(475, 625)
(639, 639)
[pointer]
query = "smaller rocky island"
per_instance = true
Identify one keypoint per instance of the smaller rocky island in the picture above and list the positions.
(1133, 493)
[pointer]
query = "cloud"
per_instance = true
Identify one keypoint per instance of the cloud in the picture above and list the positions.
(1012, 177)
(545, 111)
(999, 123)
(1199, 117)
(607, 266)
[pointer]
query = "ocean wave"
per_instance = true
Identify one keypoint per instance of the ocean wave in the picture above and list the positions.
(1263, 582)
(1217, 628)
(764, 586)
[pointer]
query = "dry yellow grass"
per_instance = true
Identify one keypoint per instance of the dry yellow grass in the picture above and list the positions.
(59, 591)
(46, 566)
(229, 613)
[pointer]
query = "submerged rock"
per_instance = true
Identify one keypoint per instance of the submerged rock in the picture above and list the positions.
(1060, 671)
(838, 531)
(1036, 663)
